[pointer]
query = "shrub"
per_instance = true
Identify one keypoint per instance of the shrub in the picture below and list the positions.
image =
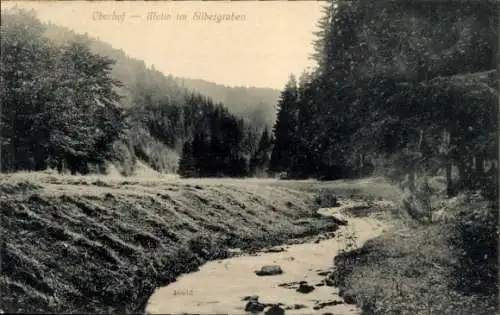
(476, 237)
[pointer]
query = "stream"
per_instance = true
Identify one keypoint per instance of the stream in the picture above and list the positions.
(220, 286)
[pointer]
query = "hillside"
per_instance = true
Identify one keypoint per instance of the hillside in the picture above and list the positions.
(110, 108)
(131, 72)
(256, 104)
(393, 82)
(97, 244)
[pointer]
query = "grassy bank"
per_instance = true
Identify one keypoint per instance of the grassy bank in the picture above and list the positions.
(102, 245)
(447, 267)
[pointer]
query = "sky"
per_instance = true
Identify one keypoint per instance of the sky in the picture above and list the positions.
(256, 43)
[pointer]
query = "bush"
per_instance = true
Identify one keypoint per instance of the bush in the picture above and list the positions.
(124, 157)
(476, 237)
(417, 201)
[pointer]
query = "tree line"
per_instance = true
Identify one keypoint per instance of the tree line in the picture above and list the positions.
(407, 90)
(59, 106)
(63, 108)
(411, 86)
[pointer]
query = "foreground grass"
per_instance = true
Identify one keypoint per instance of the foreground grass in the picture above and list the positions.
(410, 271)
(102, 245)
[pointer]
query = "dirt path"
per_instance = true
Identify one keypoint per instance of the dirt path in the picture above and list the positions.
(220, 286)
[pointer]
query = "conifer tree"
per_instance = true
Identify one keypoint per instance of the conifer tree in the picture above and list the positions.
(187, 165)
(261, 157)
(285, 128)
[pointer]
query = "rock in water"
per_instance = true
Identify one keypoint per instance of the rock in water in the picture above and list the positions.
(254, 307)
(305, 287)
(269, 271)
(289, 285)
(329, 282)
(295, 307)
(275, 310)
(324, 304)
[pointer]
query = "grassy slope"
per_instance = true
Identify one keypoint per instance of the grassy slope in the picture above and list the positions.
(410, 270)
(90, 244)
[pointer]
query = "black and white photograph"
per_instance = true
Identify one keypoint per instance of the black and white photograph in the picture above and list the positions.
(249, 157)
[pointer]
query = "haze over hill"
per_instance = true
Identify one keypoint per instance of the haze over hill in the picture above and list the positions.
(255, 103)
(146, 115)
(272, 41)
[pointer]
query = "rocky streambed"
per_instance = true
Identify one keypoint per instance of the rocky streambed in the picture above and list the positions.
(291, 279)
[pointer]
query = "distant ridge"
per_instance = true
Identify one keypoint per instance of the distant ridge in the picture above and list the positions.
(255, 104)
(258, 104)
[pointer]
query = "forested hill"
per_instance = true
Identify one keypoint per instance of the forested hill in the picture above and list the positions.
(408, 90)
(407, 84)
(132, 73)
(254, 103)
(109, 107)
